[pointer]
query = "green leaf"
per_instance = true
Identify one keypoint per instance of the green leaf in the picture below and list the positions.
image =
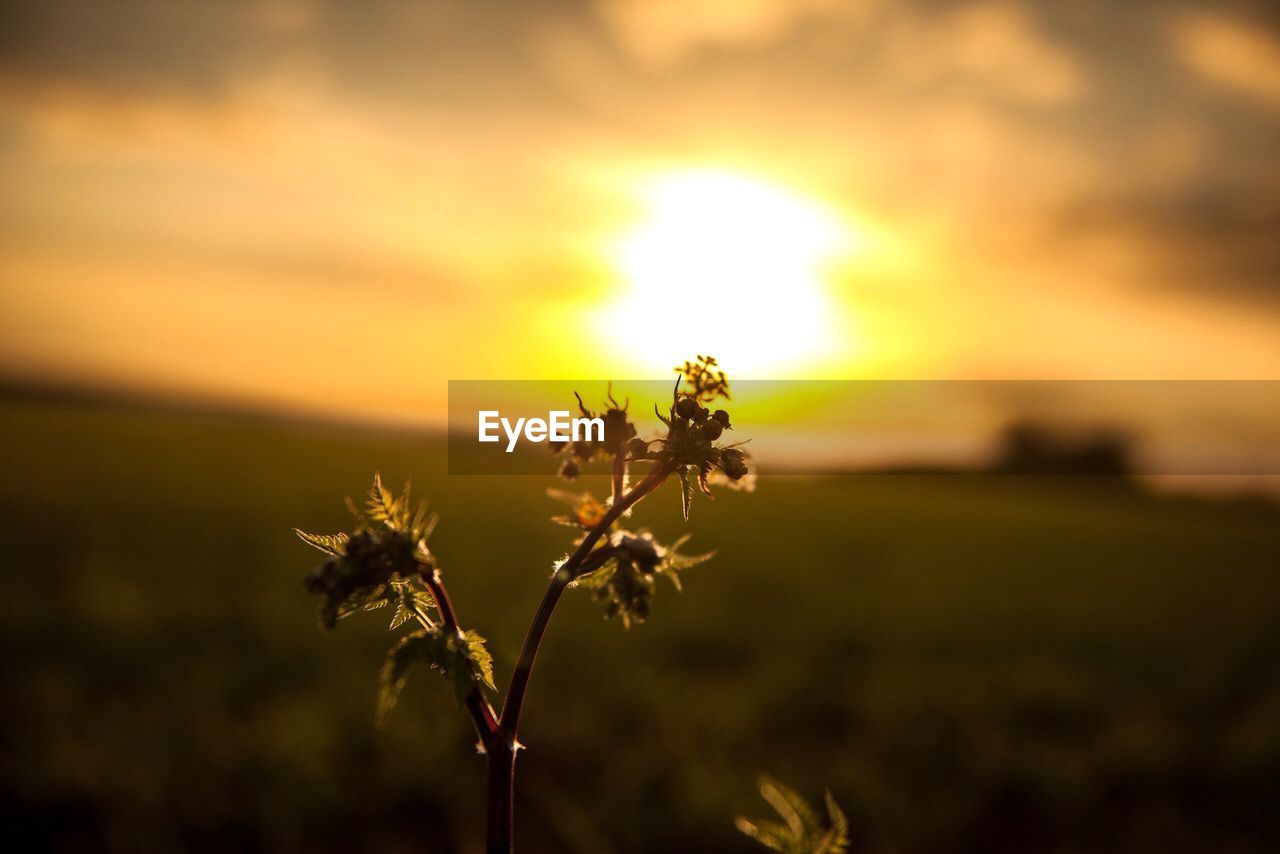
(398, 513)
(481, 660)
(423, 523)
(381, 506)
(361, 523)
(596, 578)
(402, 615)
(331, 544)
(801, 830)
(411, 602)
(798, 815)
(424, 646)
(363, 599)
(673, 563)
(686, 494)
(770, 834)
(422, 603)
(461, 658)
(836, 840)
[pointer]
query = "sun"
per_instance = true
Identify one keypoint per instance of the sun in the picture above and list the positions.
(731, 265)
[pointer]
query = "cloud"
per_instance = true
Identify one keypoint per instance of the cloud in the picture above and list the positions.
(1207, 243)
(992, 45)
(1230, 52)
(659, 33)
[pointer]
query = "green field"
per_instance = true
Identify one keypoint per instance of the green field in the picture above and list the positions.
(971, 664)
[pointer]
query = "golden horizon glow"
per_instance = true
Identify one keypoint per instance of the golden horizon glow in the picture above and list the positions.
(339, 228)
(729, 264)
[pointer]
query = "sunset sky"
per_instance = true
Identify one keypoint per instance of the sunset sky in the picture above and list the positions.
(336, 207)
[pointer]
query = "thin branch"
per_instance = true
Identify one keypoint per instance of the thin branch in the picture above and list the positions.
(509, 721)
(619, 474)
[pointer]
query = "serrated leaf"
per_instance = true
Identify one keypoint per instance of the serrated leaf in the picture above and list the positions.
(801, 831)
(411, 602)
(361, 523)
(381, 506)
(423, 646)
(686, 494)
(798, 815)
(702, 484)
(331, 544)
(423, 524)
(678, 562)
(673, 563)
(422, 603)
(836, 840)
(402, 615)
(596, 578)
(459, 657)
(481, 660)
(770, 834)
(363, 599)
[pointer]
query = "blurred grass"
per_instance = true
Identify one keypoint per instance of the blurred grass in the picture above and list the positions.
(971, 664)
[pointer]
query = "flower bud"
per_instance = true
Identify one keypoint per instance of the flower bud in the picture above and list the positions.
(641, 550)
(722, 416)
(687, 407)
(733, 464)
(712, 429)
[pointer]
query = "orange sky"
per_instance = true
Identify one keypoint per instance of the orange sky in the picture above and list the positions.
(337, 209)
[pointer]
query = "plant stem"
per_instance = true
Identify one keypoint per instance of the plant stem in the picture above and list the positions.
(502, 755)
(619, 476)
(500, 782)
(477, 706)
(510, 719)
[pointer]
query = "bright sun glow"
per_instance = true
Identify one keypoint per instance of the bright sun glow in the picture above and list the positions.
(732, 266)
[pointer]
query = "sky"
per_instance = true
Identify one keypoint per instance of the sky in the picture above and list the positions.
(330, 207)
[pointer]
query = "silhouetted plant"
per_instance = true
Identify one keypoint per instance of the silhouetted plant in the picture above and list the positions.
(385, 561)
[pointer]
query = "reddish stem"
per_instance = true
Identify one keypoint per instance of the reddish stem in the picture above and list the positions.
(502, 753)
